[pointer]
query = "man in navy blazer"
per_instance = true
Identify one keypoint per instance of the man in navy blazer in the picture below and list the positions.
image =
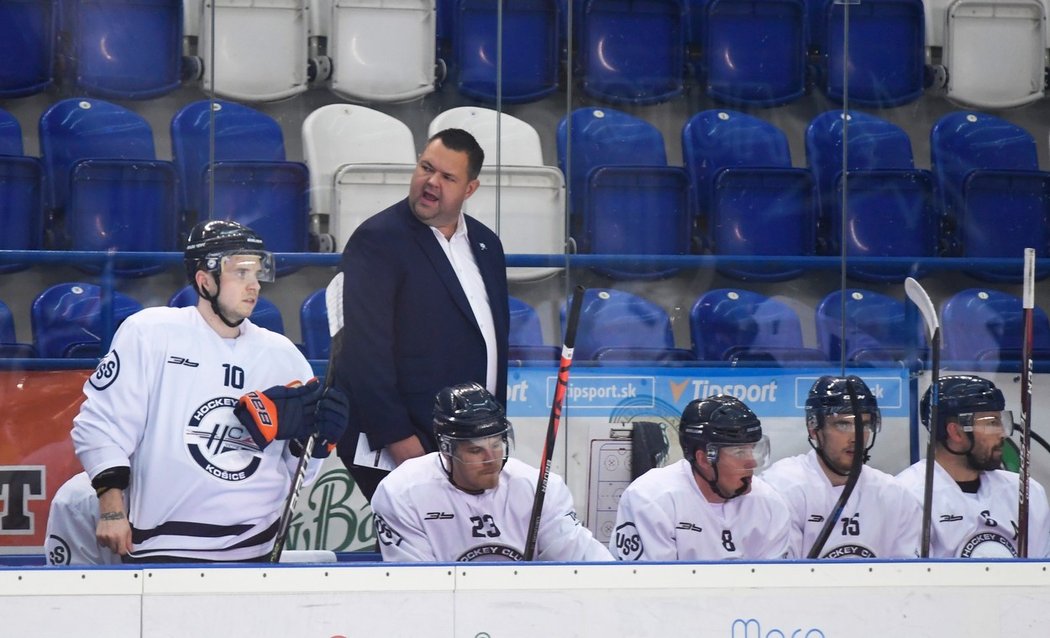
(425, 306)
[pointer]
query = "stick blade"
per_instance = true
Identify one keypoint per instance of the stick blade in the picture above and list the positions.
(918, 296)
(333, 302)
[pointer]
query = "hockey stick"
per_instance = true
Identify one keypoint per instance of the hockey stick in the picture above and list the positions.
(1028, 306)
(552, 426)
(334, 305)
(918, 296)
(854, 474)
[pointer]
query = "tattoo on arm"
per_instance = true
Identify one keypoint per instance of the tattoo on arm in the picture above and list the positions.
(112, 516)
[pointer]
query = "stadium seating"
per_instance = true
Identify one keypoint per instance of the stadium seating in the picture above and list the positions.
(104, 187)
(729, 324)
(984, 328)
(10, 348)
(530, 57)
(747, 198)
(617, 326)
(71, 320)
(877, 330)
(889, 203)
(630, 51)
(20, 194)
(232, 166)
(526, 335)
(313, 323)
(266, 314)
(27, 46)
(993, 197)
(122, 49)
(624, 198)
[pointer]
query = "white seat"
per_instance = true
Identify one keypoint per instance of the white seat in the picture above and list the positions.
(362, 190)
(338, 135)
(260, 50)
(995, 52)
(382, 50)
(521, 143)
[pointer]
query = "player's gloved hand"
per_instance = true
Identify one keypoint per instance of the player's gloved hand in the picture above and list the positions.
(282, 412)
(333, 416)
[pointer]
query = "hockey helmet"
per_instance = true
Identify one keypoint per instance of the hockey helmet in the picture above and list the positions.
(210, 242)
(830, 395)
(466, 412)
(960, 395)
(717, 422)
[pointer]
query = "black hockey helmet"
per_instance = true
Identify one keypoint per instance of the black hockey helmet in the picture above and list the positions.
(960, 395)
(210, 241)
(830, 395)
(467, 411)
(717, 421)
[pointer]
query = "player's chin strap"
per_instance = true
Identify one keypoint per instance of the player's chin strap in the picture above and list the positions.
(214, 300)
(713, 482)
(819, 449)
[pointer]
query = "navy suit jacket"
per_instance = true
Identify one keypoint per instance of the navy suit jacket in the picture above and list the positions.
(409, 330)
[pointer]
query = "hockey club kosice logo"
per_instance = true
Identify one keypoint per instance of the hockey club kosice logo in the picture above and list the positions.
(493, 553)
(850, 551)
(219, 443)
(988, 545)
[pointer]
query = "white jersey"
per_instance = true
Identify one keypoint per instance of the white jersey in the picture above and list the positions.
(71, 526)
(663, 516)
(162, 403)
(870, 525)
(421, 516)
(981, 525)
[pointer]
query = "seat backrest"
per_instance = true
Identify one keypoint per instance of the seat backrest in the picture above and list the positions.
(725, 321)
(313, 323)
(525, 327)
(260, 49)
(981, 324)
(27, 46)
(754, 53)
(367, 64)
(995, 52)
(20, 214)
(603, 137)
(518, 143)
(266, 314)
(362, 190)
(530, 40)
(874, 323)
(7, 325)
(123, 49)
(614, 318)
(886, 52)
(67, 319)
(631, 52)
(10, 134)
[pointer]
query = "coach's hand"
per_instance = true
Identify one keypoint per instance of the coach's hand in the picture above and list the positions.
(282, 412)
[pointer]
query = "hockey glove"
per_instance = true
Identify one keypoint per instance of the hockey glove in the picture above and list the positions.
(281, 412)
(333, 416)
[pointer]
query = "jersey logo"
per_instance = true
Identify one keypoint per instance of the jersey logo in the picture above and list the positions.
(850, 551)
(384, 533)
(181, 361)
(106, 371)
(988, 545)
(628, 542)
(218, 442)
(816, 518)
(439, 516)
(493, 553)
(689, 527)
(58, 552)
(950, 518)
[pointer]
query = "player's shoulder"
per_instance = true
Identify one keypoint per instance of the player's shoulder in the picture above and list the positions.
(75, 490)
(787, 471)
(275, 342)
(914, 473)
(158, 318)
(660, 482)
(412, 475)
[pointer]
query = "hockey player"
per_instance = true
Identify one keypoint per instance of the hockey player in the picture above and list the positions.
(71, 522)
(811, 483)
(204, 482)
(709, 505)
(974, 502)
(469, 501)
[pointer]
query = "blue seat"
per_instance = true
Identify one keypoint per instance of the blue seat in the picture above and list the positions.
(313, 323)
(266, 314)
(877, 330)
(122, 49)
(20, 194)
(887, 51)
(531, 50)
(729, 324)
(104, 188)
(984, 328)
(623, 198)
(889, 206)
(70, 320)
(27, 47)
(753, 52)
(993, 197)
(747, 198)
(631, 51)
(243, 168)
(526, 335)
(617, 320)
(9, 346)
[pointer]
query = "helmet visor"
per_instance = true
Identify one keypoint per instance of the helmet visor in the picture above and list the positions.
(1000, 423)
(754, 455)
(246, 265)
(487, 449)
(843, 421)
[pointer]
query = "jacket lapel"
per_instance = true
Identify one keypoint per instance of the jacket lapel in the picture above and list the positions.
(424, 236)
